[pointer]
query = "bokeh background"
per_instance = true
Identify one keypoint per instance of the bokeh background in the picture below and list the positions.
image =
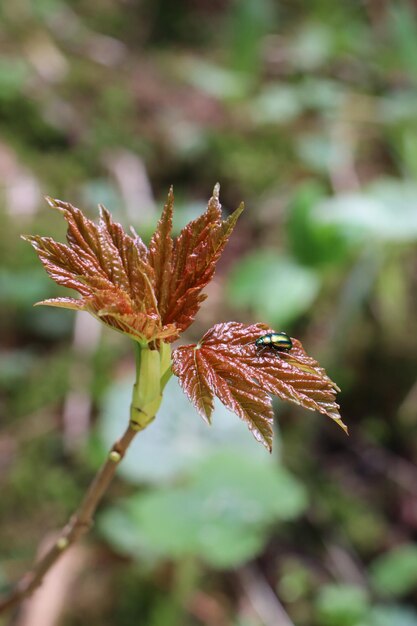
(307, 111)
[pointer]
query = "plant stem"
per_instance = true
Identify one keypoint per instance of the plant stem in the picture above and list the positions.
(77, 525)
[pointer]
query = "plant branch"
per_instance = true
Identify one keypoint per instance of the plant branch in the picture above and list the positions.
(77, 525)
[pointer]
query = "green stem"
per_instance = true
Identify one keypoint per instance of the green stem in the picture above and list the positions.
(153, 369)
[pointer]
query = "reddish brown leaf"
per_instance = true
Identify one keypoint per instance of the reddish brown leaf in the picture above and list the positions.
(227, 364)
(64, 303)
(160, 255)
(149, 294)
(109, 269)
(185, 266)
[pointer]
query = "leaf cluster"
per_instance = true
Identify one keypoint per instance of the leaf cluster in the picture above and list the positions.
(154, 293)
(148, 293)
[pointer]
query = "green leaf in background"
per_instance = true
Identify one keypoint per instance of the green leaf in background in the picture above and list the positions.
(22, 289)
(321, 95)
(312, 242)
(268, 492)
(395, 573)
(406, 145)
(101, 188)
(316, 151)
(276, 289)
(177, 440)
(19, 290)
(392, 616)
(215, 80)
(15, 366)
(171, 523)
(249, 23)
(342, 605)
(222, 514)
(385, 211)
(276, 104)
(295, 580)
(14, 73)
(311, 46)
(403, 46)
(281, 103)
(398, 107)
(247, 621)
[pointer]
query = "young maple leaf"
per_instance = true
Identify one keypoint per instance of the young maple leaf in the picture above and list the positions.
(149, 294)
(185, 266)
(153, 294)
(226, 363)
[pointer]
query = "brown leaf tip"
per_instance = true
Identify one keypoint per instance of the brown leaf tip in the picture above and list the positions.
(51, 201)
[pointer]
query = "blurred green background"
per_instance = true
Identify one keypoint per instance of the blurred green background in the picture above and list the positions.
(308, 113)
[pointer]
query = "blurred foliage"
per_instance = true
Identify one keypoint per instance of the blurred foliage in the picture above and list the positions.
(273, 287)
(177, 441)
(347, 605)
(221, 514)
(308, 112)
(395, 573)
(343, 605)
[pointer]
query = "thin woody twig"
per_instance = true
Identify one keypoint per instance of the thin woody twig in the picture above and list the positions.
(78, 524)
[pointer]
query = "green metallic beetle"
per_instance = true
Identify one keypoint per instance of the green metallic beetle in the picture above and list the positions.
(279, 341)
